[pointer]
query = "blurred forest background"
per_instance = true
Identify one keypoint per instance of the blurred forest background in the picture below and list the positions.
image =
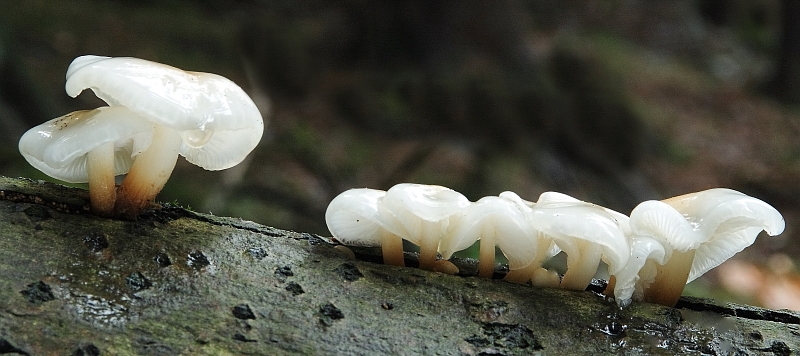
(613, 102)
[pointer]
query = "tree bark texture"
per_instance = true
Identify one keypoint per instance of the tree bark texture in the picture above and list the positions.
(180, 282)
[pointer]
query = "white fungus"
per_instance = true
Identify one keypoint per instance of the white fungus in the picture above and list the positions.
(204, 117)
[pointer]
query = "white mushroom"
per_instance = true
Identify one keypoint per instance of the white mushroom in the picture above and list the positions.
(353, 219)
(658, 233)
(587, 233)
(698, 231)
(731, 219)
(423, 215)
(204, 117)
(90, 146)
(497, 222)
(529, 266)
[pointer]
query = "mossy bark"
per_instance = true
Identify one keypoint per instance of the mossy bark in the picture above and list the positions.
(180, 282)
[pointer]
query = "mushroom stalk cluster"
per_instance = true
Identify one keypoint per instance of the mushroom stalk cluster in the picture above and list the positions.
(650, 255)
(156, 113)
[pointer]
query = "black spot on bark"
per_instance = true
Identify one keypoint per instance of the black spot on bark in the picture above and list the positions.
(137, 282)
(163, 260)
(38, 292)
(614, 329)
(329, 313)
(96, 241)
(242, 338)
(294, 288)
(197, 260)
(283, 272)
(37, 213)
(257, 252)
(349, 271)
(243, 312)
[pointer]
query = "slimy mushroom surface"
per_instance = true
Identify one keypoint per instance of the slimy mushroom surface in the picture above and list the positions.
(496, 222)
(204, 117)
(585, 232)
(353, 219)
(650, 256)
(697, 232)
(423, 215)
(90, 146)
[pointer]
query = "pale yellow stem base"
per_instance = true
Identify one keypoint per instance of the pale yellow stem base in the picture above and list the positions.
(486, 255)
(102, 192)
(670, 279)
(150, 171)
(581, 268)
(392, 248)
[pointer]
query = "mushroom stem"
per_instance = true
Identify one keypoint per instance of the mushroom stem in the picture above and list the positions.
(392, 248)
(150, 171)
(486, 254)
(670, 279)
(581, 267)
(100, 169)
(429, 246)
(521, 275)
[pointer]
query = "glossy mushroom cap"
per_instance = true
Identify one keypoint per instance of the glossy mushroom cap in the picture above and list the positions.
(218, 122)
(352, 217)
(423, 215)
(729, 220)
(586, 232)
(204, 117)
(496, 222)
(60, 147)
(697, 232)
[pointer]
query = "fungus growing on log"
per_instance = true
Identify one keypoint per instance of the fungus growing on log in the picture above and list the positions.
(650, 255)
(353, 219)
(89, 146)
(423, 215)
(697, 231)
(204, 117)
(495, 222)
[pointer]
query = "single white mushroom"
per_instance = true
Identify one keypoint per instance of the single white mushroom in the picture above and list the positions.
(204, 117)
(90, 146)
(586, 232)
(496, 222)
(731, 219)
(423, 215)
(658, 233)
(698, 231)
(353, 219)
(529, 268)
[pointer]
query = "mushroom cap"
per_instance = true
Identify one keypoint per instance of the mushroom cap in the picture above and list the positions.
(729, 220)
(571, 222)
(353, 219)
(513, 234)
(59, 147)
(217, 120)
(413, 210)
(662, 222)
(554, 197)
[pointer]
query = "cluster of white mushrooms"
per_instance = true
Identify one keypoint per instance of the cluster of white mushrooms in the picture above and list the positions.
(649, 255)
(155, 112)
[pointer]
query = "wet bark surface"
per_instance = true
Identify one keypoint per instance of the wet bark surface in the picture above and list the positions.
(180, 282)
